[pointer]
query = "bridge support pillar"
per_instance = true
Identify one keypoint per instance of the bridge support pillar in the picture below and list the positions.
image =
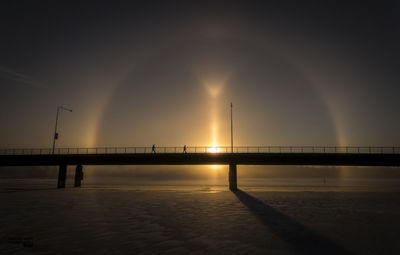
(232, 177)
(78, 175)
(62, 176)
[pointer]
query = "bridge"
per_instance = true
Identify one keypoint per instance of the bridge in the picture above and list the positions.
(232, 156)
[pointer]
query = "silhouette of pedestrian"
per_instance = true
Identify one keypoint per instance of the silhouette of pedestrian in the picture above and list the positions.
(184, 149)
(153, 149)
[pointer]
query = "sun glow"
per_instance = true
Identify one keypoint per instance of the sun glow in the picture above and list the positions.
(214, 90)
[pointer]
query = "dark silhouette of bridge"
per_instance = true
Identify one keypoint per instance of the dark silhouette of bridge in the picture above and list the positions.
(232, 156)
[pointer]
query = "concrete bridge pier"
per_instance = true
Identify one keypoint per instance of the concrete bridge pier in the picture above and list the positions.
(62, 176)
(233, 177)
(78, 175)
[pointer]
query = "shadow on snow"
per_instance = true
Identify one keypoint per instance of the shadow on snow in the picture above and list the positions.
(302, 239)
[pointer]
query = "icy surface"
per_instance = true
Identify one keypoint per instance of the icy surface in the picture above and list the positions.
(196, 220)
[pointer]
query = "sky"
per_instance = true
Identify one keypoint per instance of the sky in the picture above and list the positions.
(164, 72)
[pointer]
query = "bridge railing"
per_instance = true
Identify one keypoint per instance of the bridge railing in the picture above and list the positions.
(203, 149)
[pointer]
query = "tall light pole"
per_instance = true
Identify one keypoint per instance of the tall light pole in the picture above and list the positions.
(232, 165)
(55, 129)
(231, 129)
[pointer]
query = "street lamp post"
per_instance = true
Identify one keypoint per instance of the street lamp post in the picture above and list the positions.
(55, 129)
(231, 129)
(232, 164)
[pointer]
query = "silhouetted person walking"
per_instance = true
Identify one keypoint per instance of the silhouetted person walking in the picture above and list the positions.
(153, 149)
(184, 149)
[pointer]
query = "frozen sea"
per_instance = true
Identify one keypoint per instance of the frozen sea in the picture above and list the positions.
(118, 216)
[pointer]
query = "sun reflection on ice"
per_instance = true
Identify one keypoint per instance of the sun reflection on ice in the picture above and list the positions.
(215, 167)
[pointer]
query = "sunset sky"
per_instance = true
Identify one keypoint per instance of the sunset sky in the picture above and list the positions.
(164, 73)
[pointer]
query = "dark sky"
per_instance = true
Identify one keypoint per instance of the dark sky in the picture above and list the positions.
(164, 72)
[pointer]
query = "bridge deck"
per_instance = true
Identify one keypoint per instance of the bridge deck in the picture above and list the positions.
(204, 149)
(333, 159)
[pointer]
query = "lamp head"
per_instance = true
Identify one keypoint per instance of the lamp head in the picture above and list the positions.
(63, 108)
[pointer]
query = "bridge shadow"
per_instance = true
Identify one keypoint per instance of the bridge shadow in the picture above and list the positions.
(302, 239)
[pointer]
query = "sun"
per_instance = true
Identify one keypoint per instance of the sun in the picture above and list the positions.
(214, 149)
